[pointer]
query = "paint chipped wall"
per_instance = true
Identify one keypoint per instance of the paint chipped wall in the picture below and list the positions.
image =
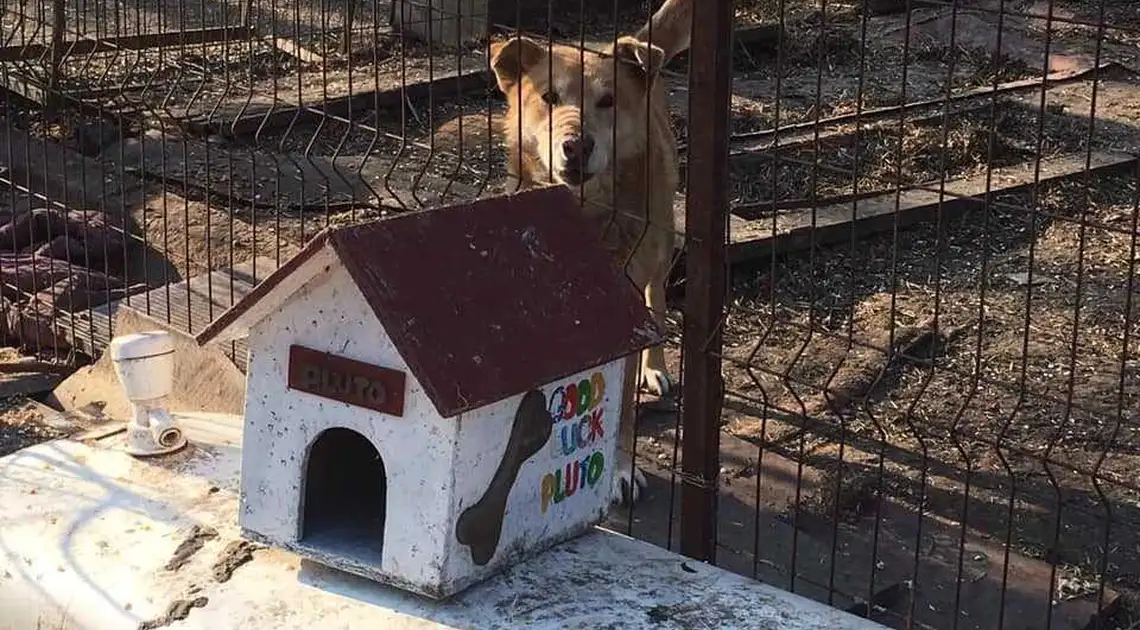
(329, 314)
(562, 489)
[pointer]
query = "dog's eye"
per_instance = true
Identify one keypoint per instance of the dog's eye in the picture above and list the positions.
(550, 97)
(606, 101)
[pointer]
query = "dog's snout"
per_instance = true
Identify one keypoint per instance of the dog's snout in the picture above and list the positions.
(578, 148)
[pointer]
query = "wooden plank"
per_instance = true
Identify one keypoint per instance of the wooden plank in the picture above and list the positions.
(227, 287)
(443, 23)
(277, 116)
(753, 141)
(129, 42)
(59, 176)
(736, 225)
(754, 144)
(56, 419)
(186, 307)
(21, 85)
(291, 47)
(262, 179)
(100, 433)
(797, 230)
(278, 181)
(31, 365)
(87, 330)
(27, 384)
(189, 306)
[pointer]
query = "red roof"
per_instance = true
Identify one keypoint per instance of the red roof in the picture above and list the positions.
(485, 300)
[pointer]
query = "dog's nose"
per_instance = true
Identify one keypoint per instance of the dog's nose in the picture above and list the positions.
(578, 148)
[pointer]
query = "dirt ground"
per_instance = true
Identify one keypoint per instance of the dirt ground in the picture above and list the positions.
(21, 422)
(990, 360)
(21, 426)
(979, 368)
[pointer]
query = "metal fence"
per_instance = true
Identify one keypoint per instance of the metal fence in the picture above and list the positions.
(903, 308)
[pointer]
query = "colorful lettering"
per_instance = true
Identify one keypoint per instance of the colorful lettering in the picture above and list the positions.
(577, 410)
(569, 444)
(597, 463)
(571, 407)
(584, 438)
(598, 388)
(559, 494)
(578, 474)
(585, 396)
(556, 411)
(572, 478)
(548, 490)
(597, 431)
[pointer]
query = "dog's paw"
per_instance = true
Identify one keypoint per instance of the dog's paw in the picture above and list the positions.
(657, 382)
(628, 483)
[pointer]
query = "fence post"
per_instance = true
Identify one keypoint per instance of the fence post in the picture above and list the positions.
(58, 52)
(706, 273)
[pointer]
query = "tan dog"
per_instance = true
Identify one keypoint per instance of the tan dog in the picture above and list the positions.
(598, 122)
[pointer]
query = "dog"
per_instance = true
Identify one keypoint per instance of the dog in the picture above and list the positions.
(598, 123)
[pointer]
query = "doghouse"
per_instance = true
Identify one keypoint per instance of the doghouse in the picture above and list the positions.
(435, 396)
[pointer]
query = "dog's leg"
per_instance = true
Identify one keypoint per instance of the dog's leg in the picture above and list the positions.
(654, 373)
(628, 481)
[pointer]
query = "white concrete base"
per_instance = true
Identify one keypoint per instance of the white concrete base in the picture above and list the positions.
(147, 450)
(85, 532)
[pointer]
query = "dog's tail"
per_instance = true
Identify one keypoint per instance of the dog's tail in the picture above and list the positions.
(670, 28)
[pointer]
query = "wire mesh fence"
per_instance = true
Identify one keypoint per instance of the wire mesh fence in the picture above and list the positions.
(901, 254)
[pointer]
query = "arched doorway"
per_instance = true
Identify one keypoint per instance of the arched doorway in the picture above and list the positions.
(345, 492)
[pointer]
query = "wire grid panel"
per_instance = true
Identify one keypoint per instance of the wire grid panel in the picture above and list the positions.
(928, 360)
(167, 158)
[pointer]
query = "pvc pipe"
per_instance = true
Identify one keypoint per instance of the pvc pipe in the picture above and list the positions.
(163, 430)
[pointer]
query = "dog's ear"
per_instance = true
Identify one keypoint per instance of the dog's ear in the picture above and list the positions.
(646, 58)
(511, 59)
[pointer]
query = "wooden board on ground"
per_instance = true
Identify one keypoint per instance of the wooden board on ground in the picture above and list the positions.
(316, 95)
(56, 173)
(27, 383)
(447, 23)
(827, 225)
(185, 307)
(35, 49)
(286, 182)
(797, 230)
(245, 119)
(811, 131)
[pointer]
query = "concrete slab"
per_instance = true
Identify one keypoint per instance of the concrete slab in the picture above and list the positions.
(207, 379)
(86, 533)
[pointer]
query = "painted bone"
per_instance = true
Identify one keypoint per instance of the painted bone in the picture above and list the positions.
(480, 526)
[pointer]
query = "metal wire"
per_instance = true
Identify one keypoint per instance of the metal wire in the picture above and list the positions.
(902, 309)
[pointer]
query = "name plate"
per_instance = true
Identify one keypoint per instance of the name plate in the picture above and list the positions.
(346, 380)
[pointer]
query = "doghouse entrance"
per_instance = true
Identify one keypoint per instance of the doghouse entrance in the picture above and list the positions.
(345, 496)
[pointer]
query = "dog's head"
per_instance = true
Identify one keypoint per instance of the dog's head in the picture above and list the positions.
(578, 110)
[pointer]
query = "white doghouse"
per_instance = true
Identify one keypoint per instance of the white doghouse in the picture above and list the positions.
(435, 396)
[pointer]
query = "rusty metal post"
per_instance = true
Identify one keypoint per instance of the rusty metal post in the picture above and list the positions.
(247, 14)
(58, 51)
(349, 19)
(706, 274)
